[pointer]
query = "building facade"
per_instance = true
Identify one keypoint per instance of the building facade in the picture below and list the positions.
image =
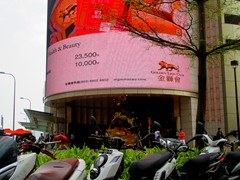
(221, 97)
(96, 67)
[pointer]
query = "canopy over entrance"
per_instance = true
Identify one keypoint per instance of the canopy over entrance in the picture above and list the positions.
(39, 121)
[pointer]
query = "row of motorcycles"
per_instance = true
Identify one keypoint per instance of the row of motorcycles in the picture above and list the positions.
(211, 164)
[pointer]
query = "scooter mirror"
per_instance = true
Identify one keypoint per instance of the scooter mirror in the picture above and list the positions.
(232, 133)
(157, 124)
(148, 136)
(94, 121)
(200, 123)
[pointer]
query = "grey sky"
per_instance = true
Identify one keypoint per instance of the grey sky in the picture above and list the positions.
(23, 48)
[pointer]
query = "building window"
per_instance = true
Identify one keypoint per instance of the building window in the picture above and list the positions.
(232, 19)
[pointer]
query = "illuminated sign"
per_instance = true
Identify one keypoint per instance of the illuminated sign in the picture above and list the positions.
(89, 49)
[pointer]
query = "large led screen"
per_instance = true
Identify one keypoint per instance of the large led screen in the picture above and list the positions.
(89, 49)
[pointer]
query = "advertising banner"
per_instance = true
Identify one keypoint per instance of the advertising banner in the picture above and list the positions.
(89, 49)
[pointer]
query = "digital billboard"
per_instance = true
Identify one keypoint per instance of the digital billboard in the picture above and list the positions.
(89, 49)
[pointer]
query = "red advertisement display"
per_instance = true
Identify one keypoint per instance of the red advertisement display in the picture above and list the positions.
(88, 48)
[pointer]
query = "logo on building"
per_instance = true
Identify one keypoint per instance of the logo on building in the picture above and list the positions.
(167, 66)
(168, 72)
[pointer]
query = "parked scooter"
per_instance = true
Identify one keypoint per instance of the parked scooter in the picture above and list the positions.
(231, 166)
(16, 165)
(62, 169)
(211, 143)
(69, 168)
(230, 163)
(162, 165)
(110, 162)
(205, 166)
(171, 143)
(210, 163)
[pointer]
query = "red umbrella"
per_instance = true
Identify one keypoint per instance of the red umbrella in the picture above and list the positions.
(7, 131)
(16, 132)
(21, 132)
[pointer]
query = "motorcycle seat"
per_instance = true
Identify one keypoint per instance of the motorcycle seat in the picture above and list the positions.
(200, 162)
(149, 164)
(58, 169)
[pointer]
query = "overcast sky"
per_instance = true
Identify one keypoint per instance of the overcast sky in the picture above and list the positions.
(23, 49)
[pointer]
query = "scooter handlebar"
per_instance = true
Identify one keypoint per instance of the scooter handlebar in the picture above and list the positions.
(28, 146)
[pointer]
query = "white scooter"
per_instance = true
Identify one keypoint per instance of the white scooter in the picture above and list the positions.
(110, 162)
(62, 169)
(212, 145)
(19, 169)
(70, 168)
(14, 166)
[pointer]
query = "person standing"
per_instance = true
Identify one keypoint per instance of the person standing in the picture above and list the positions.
(97, 140)
(52, 136)
(139, 138)
(107, 140)
(72, 139)
(181, 136)
(219, 134)
(41, 138)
